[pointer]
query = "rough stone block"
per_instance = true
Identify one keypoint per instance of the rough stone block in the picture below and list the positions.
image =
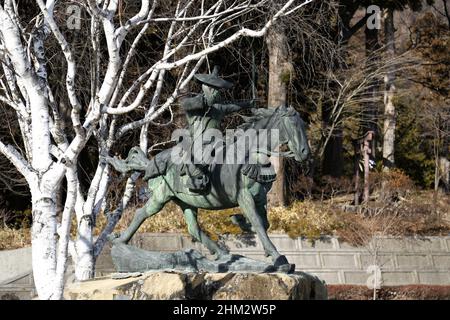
(210, 286)
(16, 294)
(187, 242)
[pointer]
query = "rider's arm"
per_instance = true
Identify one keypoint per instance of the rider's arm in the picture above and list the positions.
(234, 107)
(192, 104)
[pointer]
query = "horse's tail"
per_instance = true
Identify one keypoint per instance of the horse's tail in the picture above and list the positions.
(138, 161)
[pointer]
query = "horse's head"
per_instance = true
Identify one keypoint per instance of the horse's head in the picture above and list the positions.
(293, 133)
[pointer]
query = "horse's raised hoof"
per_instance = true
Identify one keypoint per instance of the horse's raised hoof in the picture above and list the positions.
(221, 255)
(286, 268)
(114, 238)
(282, 265)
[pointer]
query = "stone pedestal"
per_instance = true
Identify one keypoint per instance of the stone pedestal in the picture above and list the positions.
(167, 285)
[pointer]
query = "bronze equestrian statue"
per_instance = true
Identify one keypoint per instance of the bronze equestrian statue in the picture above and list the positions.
(217, 186)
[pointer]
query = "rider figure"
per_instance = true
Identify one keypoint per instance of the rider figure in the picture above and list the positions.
(203, 111)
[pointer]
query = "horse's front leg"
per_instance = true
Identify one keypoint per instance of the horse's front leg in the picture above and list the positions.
(248, 206)
(190, 215)
(151, 207)
(157, 201)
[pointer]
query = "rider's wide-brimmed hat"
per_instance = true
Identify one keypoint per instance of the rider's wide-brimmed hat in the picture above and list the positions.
(213, 79)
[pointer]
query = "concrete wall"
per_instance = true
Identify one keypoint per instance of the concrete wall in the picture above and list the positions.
(401, 261)
(14, 263)
(16, 279)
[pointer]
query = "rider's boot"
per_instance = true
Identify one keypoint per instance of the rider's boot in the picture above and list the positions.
(198, 180)
(157, 165)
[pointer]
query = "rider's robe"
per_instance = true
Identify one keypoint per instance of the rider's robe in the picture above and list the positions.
(200, 117)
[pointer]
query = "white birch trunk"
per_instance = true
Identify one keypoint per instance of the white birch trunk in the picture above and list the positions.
(84, 260)
(64, 231)
(389, 93)
(43, 244)
(444, 170)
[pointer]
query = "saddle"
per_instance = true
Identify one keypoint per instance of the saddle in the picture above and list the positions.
(262, 173)
(195, 177)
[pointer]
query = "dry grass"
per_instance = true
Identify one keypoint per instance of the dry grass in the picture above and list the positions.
(309, 219)
(170, 219)
(14, 238)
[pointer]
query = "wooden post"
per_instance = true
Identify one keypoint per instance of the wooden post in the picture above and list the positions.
(280, 71)
(367, 151)
(357, 147)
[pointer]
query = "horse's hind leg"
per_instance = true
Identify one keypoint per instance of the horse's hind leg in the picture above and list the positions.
(190, 215)
(261, 210)
(156, 202)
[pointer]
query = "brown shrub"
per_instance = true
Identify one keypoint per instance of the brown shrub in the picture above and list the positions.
(327, 187)
(331, 187)
(408, 292)
(408, 217)
(391, 186)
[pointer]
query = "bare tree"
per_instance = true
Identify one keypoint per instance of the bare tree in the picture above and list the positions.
(345, 93)
(377, 224)
(436, 125)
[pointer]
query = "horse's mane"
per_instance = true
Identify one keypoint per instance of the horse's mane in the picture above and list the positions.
(270, 115)
(257, 114)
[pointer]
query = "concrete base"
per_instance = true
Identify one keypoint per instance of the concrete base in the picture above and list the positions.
(200, 286)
